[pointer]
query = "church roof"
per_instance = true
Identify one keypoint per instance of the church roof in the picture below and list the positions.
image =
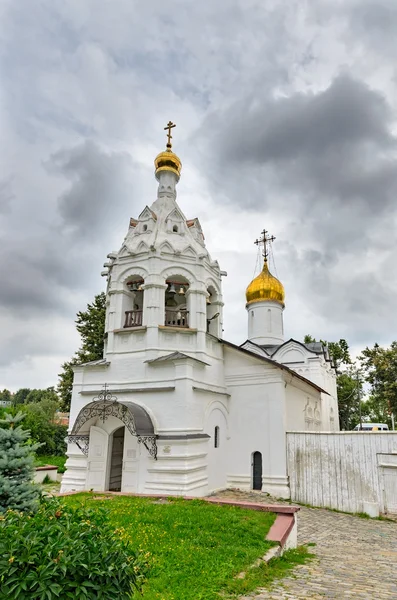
(175, 356)
(274, 364)
(314, 347)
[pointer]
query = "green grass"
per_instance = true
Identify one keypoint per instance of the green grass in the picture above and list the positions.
(195, 549)
(58, 461)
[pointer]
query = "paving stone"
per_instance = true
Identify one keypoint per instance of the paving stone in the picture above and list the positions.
(355, 558)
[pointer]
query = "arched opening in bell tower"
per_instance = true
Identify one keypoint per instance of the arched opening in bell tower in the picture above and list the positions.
(176, 302)
(212, 311)
(133, 302)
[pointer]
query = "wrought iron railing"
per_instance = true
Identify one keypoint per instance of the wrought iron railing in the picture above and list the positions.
(176, 318)
(133, 318)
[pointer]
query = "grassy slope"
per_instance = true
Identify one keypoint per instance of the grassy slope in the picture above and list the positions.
(195, 549)
(58, 461)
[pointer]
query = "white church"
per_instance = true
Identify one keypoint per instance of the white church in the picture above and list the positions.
(172, 408)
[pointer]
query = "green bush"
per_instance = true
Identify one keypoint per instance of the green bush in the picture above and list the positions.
(64, 552)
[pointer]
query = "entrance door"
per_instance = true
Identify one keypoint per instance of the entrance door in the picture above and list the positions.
(116, 460)
(97, 459)
(257, 471)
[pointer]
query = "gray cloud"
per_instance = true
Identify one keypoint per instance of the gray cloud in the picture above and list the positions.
(266, 124)
(100, 186)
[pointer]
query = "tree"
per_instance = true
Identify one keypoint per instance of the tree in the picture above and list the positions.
(20, 396)
(339, 351)
(5, 396)
(40, 420)
(380, 366)
(17, 492)
(34, 396)
(347, 383)
(91, 326)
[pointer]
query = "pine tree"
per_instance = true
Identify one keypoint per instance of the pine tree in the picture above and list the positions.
(17, 492)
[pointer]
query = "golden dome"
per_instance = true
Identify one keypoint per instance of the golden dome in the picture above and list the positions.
(265, 287)
(168, 161)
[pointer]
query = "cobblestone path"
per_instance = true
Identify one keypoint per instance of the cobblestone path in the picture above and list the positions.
(355, 558)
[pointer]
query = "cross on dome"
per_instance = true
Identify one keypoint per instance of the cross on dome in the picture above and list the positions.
(170, 125)
(265, 241)
(168, 161)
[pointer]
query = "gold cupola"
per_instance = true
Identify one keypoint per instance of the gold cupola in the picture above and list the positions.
(168, 160)
(265, 287)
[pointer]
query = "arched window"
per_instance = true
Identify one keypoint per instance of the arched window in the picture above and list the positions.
(133, 302)
(176, 313)
(216, 437)
(144, 228)
(213, 315)
(175, 229)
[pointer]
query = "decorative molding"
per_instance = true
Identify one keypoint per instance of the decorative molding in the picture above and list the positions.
(132, 390)
(81, 441)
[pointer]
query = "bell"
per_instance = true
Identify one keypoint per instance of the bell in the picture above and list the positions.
(140, 288)
(171, 289)
(181, 291)
(208, 300)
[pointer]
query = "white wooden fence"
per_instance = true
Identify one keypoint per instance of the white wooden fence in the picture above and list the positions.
(343, 470)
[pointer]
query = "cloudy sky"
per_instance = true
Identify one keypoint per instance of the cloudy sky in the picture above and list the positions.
(286, 119)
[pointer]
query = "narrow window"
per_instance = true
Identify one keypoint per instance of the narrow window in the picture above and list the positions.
(175, 229)
(145, 228)
(216, 437)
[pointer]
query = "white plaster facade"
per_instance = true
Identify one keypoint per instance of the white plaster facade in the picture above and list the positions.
(194, 407)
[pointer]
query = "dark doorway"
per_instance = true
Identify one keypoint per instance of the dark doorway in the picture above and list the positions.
(257, 471)
(116, 460)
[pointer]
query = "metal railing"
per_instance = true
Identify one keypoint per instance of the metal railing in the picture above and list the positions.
(176, 318)
(133, 318)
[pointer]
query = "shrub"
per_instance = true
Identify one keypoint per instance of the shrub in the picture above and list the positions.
(17, 491)
(63, 552)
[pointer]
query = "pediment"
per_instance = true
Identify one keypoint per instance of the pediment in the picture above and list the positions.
(124, 252)
(142, 247)
(175, 215)
(189, 251)
(147, 215)
(291, 351)
(166, 248)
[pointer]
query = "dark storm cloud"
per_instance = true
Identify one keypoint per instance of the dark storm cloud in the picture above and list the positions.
(324, 163)
(334, 143)
(98, 189)
(40, 272)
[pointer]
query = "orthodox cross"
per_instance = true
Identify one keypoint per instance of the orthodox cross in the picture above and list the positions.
(169, 126)
(265, 240)
(105, 396)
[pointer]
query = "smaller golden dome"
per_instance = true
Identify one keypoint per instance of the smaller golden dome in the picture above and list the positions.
(265, 287)
(167, 161)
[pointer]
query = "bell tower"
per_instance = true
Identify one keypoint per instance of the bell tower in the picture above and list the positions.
(163, 286)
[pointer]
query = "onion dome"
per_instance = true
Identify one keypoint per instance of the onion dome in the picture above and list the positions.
(167, 161)
(265, 287)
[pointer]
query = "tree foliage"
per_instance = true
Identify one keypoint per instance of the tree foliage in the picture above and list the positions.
(17, 492)
(91, 326)
(380, 367)
(339, 351)
(40, 419)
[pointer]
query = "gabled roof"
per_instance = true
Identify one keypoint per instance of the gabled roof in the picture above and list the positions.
(274, 363)
(101, 362)
(313, 347)
(174, 356)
